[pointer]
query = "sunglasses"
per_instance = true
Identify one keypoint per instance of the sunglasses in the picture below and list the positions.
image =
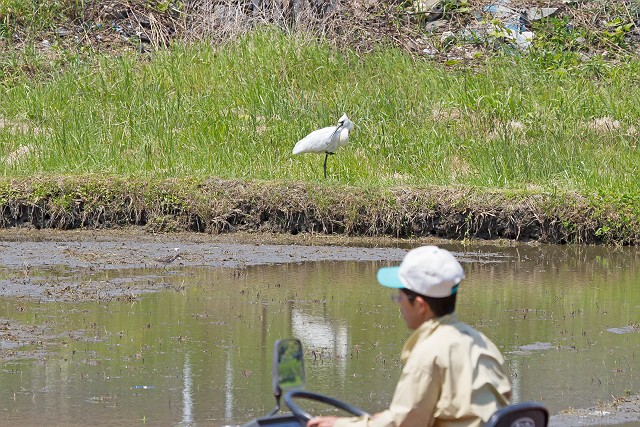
(397, 297)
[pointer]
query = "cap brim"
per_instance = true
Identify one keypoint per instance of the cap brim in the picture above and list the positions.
(388, 276)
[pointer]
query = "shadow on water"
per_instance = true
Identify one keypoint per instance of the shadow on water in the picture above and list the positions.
(567, 320)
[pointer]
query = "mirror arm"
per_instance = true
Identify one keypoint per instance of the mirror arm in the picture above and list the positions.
(277, 408)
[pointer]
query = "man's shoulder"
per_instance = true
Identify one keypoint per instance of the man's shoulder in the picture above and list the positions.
(452, 341)
(456, 332)
(439, 335)
(452, 325)
(447, 331)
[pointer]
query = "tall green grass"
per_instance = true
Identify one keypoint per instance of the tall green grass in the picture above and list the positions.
(236, 112)
(36, 14)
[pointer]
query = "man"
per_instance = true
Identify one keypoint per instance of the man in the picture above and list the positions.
(453, 375)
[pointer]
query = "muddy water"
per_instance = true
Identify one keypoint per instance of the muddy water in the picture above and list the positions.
(191, 344)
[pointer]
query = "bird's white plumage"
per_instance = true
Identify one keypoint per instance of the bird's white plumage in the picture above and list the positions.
(326, 140)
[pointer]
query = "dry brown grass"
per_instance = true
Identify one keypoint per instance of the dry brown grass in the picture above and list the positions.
(603, 124)
(360, 25)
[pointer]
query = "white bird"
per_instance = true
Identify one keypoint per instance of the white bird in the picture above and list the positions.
(326, 140)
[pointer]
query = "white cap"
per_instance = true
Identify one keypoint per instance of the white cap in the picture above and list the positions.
(427, 270)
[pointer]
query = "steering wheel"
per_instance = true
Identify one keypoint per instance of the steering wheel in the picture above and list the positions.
(304, 416)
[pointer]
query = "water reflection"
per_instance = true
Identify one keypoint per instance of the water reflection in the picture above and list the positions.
(187, 401)
(567, 320)
(317, 332)
(228, 386)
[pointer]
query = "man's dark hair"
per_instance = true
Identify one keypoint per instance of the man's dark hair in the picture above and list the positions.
(439, 306)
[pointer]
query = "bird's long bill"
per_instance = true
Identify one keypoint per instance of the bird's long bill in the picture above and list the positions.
(338, 129)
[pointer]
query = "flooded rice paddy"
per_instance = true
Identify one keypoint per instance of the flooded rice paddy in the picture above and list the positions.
(105, 332)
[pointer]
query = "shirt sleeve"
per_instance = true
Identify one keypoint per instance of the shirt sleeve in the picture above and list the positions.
(413, 404)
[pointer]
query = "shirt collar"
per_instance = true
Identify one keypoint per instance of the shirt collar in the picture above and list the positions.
(424, 331)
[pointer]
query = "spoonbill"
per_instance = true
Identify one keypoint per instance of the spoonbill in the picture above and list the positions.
(326, 140)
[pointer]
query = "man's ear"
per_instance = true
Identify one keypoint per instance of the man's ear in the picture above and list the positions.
(424, 306)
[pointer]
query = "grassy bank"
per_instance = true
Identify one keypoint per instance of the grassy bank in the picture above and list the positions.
(222, 206)
(510, 128)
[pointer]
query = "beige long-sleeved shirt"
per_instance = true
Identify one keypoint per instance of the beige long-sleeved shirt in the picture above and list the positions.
(453, 376)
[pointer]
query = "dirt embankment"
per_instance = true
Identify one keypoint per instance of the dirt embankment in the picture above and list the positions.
(226, 206)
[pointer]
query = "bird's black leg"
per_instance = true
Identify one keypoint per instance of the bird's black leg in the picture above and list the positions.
(326, 156)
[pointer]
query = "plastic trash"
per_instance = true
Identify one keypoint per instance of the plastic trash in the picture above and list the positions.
(514, 22)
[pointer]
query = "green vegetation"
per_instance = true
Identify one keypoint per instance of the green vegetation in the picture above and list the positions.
(236, 112)
(38, 15)
(541, 123)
